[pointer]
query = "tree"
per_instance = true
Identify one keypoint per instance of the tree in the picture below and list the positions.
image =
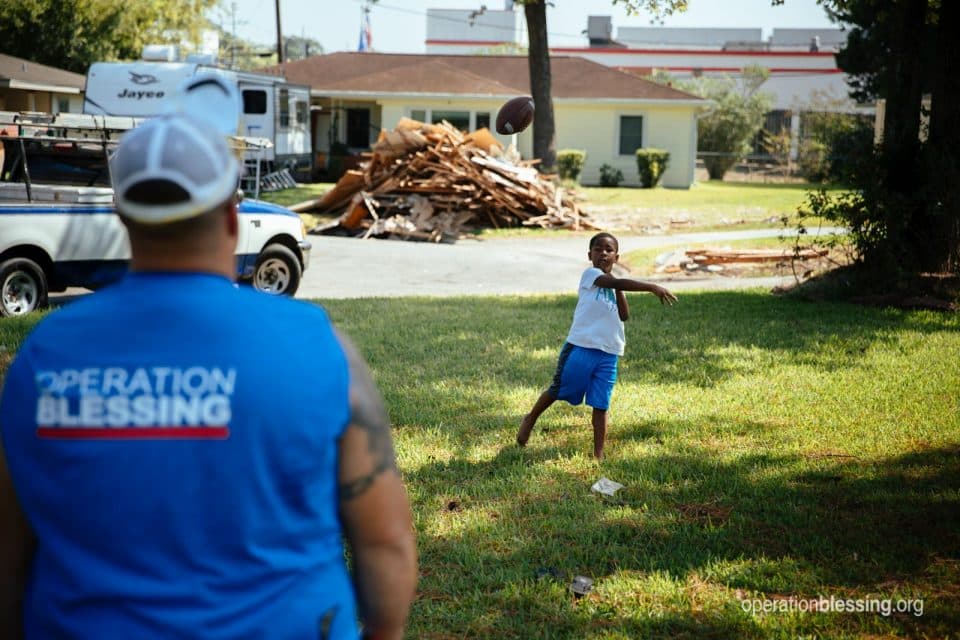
(902, 50)
(297, 48)
(538, 59)
(76, 33)
(729, 127)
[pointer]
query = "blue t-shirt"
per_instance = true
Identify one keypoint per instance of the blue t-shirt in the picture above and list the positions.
(173, 442)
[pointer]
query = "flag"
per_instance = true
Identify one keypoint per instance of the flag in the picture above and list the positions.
(366, 38)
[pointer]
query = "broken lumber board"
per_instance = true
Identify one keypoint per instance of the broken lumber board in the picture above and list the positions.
(722, 256)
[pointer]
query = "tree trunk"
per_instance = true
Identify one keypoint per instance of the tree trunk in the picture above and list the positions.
(538, 59)
(902, 175)
(901, 123)
(943, 148)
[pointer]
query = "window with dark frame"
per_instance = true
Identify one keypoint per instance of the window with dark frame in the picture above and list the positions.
(302, 112)
(483, 119)
(459, 119)
(631, 134)
(284, 108)
(358, 128)
(255, 101)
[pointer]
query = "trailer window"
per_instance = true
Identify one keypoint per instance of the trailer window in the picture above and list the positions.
(301, 112)
(254, 101)
(284, 108)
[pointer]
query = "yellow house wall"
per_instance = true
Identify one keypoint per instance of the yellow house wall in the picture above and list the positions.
(592, 127)
(596, 130)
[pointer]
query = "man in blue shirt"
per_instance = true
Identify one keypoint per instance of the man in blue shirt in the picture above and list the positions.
(183, 458)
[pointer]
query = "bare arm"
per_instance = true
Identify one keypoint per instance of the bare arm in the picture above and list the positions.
(374, 509)
(626, 284)
(17, 544)
(622, 307)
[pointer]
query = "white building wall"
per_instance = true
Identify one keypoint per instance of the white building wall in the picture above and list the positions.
(683, 62)
(492, 27)
(685, 37)
(828, 38)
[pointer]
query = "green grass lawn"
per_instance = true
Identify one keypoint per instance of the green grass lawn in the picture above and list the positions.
(770, 448)
(288, 197)
(730, 198)
(708, 205)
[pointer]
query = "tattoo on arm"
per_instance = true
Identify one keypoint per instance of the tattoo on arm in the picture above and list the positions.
(369, 416)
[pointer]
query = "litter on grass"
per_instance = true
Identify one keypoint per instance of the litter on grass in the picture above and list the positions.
(606, 486)
(581, 586)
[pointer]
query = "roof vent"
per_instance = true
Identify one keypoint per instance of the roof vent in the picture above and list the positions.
(160, 53)
(599, 29)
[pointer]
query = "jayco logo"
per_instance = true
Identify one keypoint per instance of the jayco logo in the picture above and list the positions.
(141, 79)
(140, 95)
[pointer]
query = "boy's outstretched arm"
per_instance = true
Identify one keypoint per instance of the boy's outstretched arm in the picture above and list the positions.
(607, 281)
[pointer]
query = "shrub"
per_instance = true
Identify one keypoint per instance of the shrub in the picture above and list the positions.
(651, 163)
(727, 130)
(570, 163)
(833, 145)
(610, 176)
(813, 161)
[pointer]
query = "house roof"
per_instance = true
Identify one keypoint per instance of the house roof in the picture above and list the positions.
(18, 73)
(572, 77)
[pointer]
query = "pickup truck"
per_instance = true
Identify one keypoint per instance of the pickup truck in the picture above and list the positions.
(50, 243)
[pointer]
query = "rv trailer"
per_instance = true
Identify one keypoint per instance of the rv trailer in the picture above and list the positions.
(273, 108)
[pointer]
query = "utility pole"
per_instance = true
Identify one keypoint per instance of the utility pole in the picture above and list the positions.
(279, 36)
(233, 40)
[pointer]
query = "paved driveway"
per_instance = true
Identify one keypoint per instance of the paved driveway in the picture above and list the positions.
(351, 268)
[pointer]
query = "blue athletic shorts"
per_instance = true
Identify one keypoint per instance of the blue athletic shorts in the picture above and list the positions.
(582, 371)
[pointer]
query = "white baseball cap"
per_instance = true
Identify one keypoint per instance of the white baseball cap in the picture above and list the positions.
(177, 166)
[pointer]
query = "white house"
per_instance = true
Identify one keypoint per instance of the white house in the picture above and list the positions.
(604, 111)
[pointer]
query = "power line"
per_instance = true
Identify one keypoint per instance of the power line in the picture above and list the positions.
(461, 21)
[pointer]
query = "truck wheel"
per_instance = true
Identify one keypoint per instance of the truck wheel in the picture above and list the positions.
(278, 271)
(23, 287)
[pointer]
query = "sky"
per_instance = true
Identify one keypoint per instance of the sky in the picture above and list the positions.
(399, 26)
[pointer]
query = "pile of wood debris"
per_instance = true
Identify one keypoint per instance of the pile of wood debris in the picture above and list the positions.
(433, 182)
(714, 259)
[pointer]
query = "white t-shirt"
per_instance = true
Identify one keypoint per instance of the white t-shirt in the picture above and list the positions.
(596, 321)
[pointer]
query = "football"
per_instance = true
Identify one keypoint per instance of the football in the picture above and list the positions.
(515, 115)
